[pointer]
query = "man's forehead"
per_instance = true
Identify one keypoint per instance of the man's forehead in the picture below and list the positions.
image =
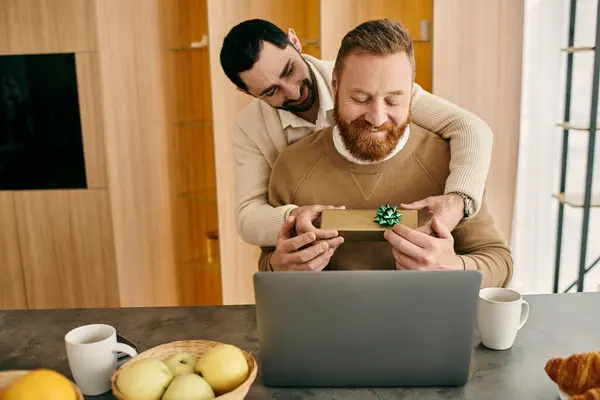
(268, 67)
(364, 63)
(362, 70)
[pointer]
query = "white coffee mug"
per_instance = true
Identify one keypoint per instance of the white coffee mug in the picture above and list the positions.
(92, 355)
(501, 313)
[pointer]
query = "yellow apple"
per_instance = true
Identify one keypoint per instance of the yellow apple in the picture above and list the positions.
(224, 367)
(146, 379)
(181, 363)
(189, 387)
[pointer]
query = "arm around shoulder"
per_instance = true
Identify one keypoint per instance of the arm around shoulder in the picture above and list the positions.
(470, 138)
(258, 222)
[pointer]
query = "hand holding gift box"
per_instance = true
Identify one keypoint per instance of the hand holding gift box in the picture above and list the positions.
(367, 225)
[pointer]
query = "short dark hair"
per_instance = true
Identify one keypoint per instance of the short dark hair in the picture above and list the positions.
(243, 43)
(377, 37)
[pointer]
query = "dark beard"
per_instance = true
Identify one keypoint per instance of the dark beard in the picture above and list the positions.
(307, 84)
(363, 147)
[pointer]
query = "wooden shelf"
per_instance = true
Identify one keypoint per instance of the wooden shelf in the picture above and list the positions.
(204, 264)
(577, 49)
(201, 45)
(571, 127)
(576, 199)
(190, 48)
(195, 123)
(202, 196)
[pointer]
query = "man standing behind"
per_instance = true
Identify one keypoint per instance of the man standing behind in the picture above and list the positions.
(374, 155)
(293, 98)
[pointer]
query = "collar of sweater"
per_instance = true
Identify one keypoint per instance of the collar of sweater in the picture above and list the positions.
(341, 148)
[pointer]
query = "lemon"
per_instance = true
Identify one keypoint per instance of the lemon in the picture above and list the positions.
(41, 384)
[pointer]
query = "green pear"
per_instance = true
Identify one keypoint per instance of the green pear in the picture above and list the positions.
(189, 387)
(181, 363)
(146, 379)
(224, 367)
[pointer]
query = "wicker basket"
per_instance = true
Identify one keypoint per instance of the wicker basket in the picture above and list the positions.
(197, 348)
(8, 377)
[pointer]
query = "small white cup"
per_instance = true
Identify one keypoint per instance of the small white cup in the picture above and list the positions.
(92, 354)
(501, 313)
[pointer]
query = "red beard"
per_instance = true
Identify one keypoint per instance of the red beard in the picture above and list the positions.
(355, 136)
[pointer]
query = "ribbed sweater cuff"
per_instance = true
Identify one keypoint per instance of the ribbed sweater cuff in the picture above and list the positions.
(266, 225)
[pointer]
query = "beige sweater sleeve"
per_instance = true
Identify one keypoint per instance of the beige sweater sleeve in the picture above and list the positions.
(257, 221)
(470, 143)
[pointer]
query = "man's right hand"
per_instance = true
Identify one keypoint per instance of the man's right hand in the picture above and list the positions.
(315, 253)
(308, 219)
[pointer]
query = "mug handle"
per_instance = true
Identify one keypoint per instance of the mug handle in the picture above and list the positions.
(124, 348)
(524, 313)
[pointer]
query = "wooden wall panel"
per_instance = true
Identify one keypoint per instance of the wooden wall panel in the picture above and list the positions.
(67, 248)
(350, 13)
(478, 56)
(135, 123)
(12, 284)
(238, 259)
(92, 122)
(47, 26)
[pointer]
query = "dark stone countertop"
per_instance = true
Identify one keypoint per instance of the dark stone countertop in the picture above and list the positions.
(559, 325)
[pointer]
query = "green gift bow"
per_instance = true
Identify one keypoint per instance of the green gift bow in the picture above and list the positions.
(388, 215)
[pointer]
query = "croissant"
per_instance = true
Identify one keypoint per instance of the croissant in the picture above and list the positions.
(592, 394)
(576, 374)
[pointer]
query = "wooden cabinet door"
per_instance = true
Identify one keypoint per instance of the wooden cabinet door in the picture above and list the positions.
(67, 248)
(12, 285)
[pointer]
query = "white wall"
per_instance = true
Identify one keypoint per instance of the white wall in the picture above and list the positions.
(543, 81)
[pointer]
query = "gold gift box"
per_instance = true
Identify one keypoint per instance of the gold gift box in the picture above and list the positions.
(359, 226)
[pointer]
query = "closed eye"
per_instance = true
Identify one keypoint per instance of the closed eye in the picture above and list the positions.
(290, 71)
(361, 100)
(271, 92)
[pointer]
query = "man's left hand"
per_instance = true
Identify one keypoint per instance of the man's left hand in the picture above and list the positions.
(448, 208)
(415, 250)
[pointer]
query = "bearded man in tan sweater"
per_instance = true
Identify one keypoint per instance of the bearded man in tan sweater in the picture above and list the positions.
(293, 98)
(374, 155)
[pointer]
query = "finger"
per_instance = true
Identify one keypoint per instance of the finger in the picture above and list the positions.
(405, 262)
(404, 246)
(333, 242)
(331, 207)
(309, 220)
(287, 227)
(325, 234)
(416, 205)
(305, 224)
(426, 229)
(418, 238)
(440, 228)
(305, 255)
(320, 262)
(293, 244)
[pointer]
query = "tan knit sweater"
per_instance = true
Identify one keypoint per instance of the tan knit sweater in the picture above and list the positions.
(312, 171)
(259, 138)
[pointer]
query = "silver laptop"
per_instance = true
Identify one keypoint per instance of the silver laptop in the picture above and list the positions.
(366, 328)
